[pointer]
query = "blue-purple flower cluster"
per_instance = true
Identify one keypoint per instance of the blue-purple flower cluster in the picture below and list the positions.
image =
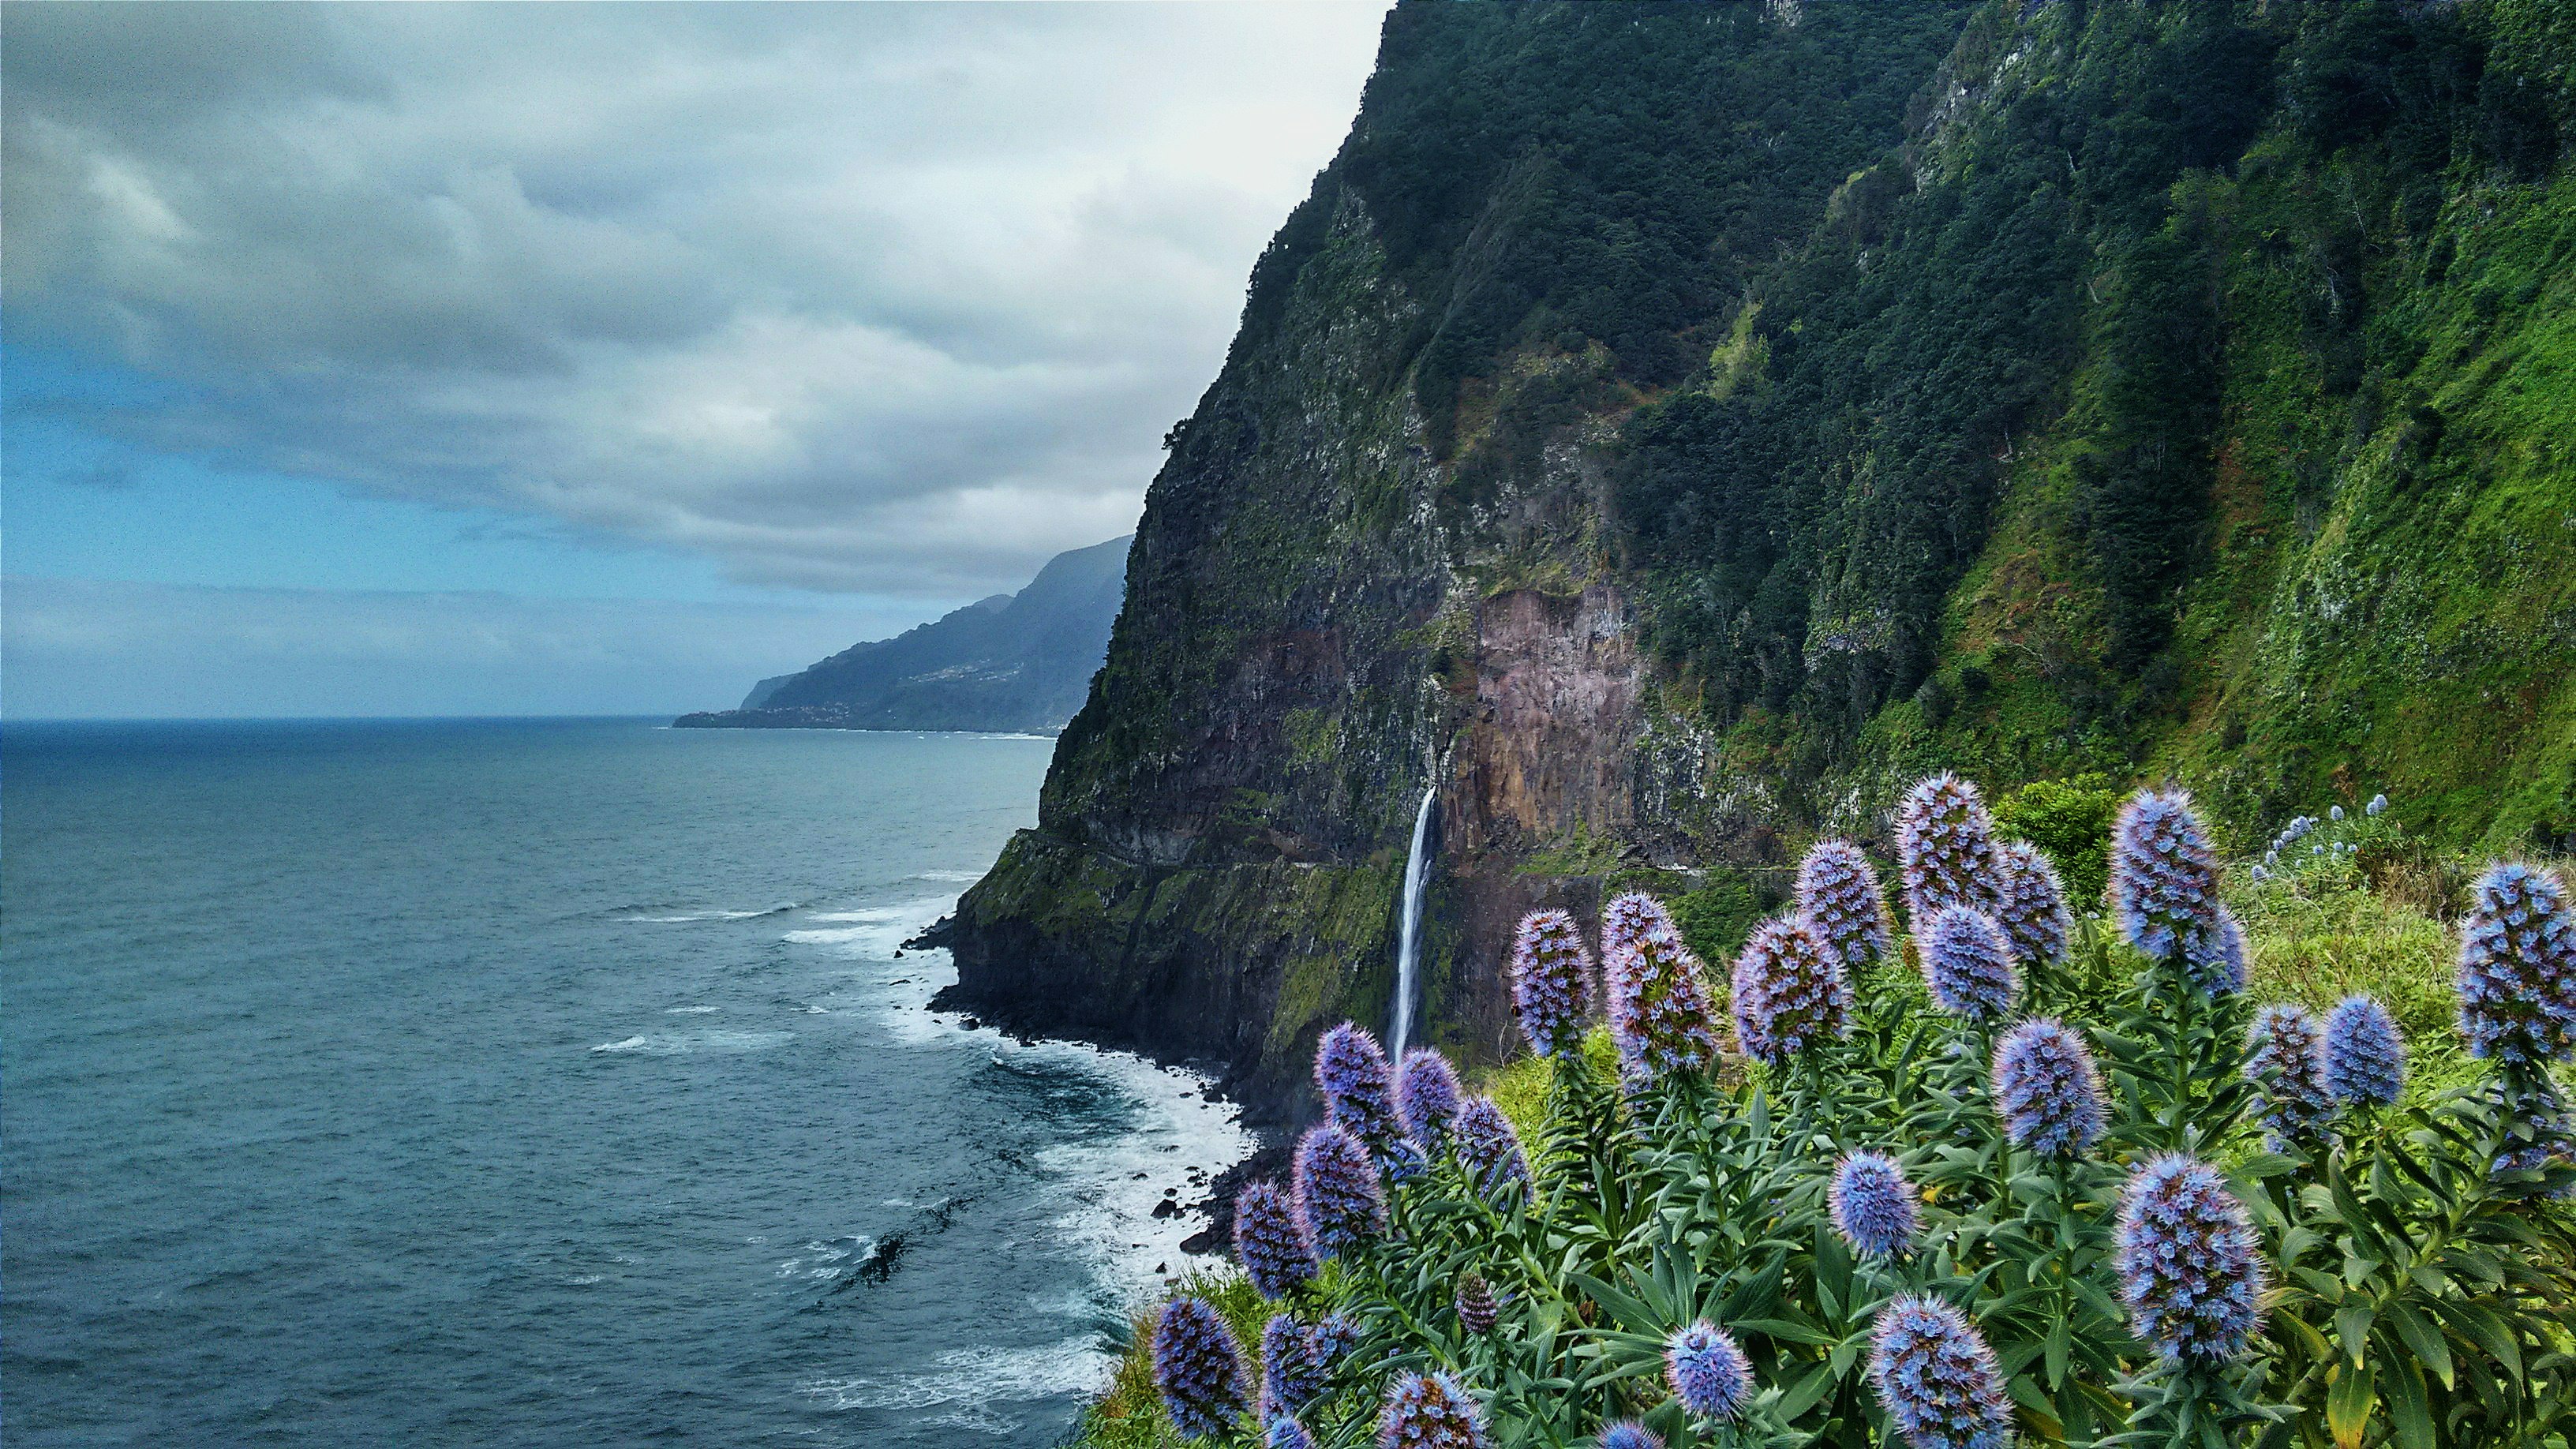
(1968, 966)
(1338, 1190)
(1708, 1371)
(2188, 1268)
(2285, 1053)
(1336, 1334)
(1286, 1433)
(1945, 848)
(2049, 1090)
(1937, 1378)
(1292, 1372)
(2164, 878)
(1789, 992)
(1426, 1098)
(2517, 971)
(1659, 1008)
(2365, 1053)
(1358, 1088)
(1629, 919)
(1874, 1207)
(2542, 1132)
(2030, 905)
(1270, 1239)
(1551, 982)
(2214, 958)
(1839, 898)
(1629, 1434)
(1430, 1411)
(1490, 1148)
(1199, 1368)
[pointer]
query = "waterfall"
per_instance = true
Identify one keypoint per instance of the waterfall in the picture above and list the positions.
(1408, 939)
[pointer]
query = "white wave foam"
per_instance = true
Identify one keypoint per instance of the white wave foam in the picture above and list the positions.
(674, 1044)
(977, 1375)
(689, 1010)
(874, 932)
(962, 877)
(688, 917)
(1108, 1220)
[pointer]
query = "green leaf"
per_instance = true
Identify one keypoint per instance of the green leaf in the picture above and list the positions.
(2410, 1412)
(2349, 1401)
(2422, 1339)
(2352, 1329)
(2490, 1334)
(1804, 1396)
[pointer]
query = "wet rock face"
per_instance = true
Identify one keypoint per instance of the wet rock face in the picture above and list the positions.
(1549, 753)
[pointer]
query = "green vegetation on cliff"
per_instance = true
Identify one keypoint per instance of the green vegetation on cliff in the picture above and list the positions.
(2191, 394)
(1667, 428)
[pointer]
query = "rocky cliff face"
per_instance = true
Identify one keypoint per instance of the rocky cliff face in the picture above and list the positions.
(1665, 429)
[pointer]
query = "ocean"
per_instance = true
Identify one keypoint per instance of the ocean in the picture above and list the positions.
(543, 1082)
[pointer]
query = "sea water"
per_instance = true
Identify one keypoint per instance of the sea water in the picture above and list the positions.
(543, 1082)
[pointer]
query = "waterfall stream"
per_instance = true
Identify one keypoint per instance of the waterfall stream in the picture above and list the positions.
(1408, 939)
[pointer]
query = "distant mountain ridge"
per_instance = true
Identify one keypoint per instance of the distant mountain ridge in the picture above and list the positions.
(1019, 661)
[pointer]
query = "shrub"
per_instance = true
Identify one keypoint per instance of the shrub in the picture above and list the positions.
(2071, 820)
(1951, 1230)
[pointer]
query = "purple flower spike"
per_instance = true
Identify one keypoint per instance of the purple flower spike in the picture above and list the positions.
(1968, 965)
(2031, 906)
(2365, 1053)
(1708, 1371)
(2187, 1263)
(1945, 848)
(1936, 1377)
(2546, 1135)
(1430, 1411)
(1659, 1007)
(1490, 1148)
(1629, 1434)
(1286, 1433)
(2285, 1051)
(1271, 1240)
(2048, 1090)
(1632, 918)
(1478, 1309)
(1358, 1088)
(2518, 967)
(2164, 879)
(1790, 994)
(2214, 956)
(1873, 1205)
(1839, 899)
(1551, 982)
(1338, 1192)
(1292, 1373)
(1199, 1368)
(1337, 1335)
(1426, 1097)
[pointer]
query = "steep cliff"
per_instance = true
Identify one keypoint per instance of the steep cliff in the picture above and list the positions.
(1666, 427)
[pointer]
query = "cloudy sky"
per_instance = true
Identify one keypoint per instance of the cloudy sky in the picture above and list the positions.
(415, 359)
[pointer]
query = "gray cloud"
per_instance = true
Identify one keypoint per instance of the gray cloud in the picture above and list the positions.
(91, 649)
(897, 298)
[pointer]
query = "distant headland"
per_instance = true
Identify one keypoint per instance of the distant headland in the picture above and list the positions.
(1012, 662)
